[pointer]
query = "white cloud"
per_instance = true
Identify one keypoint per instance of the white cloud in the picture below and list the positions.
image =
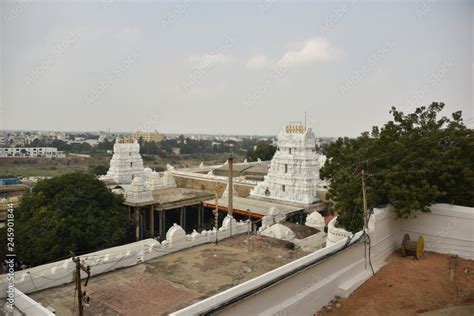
(208, 60)
(314, 50)
(258, 62)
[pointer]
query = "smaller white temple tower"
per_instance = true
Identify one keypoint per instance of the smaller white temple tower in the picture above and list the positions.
(294, 170)
(137, 192)
(126, 163)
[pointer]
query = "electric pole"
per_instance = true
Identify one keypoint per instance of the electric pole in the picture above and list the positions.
(230, 187)
(216, 211)
(81, 297)
(364, 197)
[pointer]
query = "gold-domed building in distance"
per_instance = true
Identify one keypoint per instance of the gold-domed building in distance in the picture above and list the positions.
(149, 136)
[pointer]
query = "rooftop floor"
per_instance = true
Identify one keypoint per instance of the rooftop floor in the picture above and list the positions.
(254, 206)
(168, 283)
(167, 198)
(406, 286)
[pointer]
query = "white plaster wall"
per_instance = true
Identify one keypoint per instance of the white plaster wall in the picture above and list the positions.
(28, 306)
(61, 272)
(447, 229)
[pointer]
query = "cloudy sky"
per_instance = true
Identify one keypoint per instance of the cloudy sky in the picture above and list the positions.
(221, 67)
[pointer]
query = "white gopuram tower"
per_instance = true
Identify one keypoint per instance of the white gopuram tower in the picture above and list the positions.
(126, 163)
(294, 170)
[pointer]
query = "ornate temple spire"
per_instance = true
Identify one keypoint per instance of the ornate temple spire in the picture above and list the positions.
(126, 163)
(294, 170)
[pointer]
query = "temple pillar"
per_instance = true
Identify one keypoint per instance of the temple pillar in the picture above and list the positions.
(137, 223)
(199, 223)
(182, 216)
(152, 221)
(161, 225)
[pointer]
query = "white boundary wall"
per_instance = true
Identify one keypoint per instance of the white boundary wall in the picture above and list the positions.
(448, 229)
(30, 307)
(61, 272)
(308, 290)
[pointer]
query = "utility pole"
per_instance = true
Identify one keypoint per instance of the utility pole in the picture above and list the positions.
(364, 197)
(230, 187)
(216, 211)
(81, 297)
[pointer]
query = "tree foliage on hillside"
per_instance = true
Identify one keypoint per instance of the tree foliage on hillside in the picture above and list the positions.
(263, 150)
(75, 147)
(413, 161)
(74, 212)
(98, 170)
(186, 145)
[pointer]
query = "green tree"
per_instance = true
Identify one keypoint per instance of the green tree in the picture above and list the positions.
(98, 170)
(74, 212)
(413, 161)
(262, 150)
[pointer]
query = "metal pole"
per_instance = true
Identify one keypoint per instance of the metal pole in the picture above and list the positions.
(365, 216)
(230, 206)
(230, 185)
(216, 211)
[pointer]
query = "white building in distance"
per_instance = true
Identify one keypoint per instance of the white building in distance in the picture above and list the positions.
(294, 170)
(21, 152)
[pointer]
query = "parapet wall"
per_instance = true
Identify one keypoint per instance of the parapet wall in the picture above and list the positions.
(29, 306)
(316, 280)
(61, 272)
(304, 286)
(447, 229)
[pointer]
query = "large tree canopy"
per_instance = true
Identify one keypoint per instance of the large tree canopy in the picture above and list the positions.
(74, 212)
(411, 162)
(262, 150)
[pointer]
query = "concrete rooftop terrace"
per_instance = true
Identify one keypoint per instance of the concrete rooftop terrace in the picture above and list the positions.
(253, 207)
(168, 198)
(168, 283)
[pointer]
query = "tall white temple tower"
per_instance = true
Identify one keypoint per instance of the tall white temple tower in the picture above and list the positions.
(294, 170)
(126, 163)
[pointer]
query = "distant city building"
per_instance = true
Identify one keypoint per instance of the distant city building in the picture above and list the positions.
(47, 152)
(149, 136)
(294, 170)
(10, 181)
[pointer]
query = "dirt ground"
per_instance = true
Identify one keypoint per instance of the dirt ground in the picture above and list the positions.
(27, 167)
(406, 286)
(169, 283)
